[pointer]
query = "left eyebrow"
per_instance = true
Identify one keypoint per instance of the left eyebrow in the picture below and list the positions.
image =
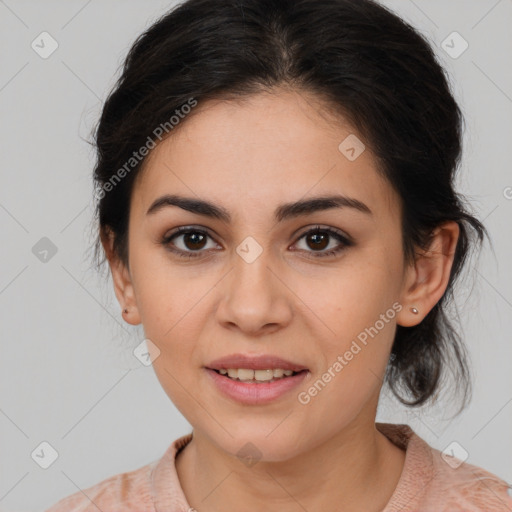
(283, 212)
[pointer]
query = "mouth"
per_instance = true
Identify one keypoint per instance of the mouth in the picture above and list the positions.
(248, 386)
(251, 376)
(255, 380)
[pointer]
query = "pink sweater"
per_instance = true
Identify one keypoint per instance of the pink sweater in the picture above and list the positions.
(428, 483)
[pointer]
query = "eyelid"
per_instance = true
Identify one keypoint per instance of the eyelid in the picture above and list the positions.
(319, 227)
(186, 229)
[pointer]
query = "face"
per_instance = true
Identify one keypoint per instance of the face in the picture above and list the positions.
(265, 281)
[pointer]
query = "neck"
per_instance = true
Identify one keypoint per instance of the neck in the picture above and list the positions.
(356, 469)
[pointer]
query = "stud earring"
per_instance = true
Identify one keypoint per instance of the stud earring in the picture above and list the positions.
(414, 310)
(125, 310)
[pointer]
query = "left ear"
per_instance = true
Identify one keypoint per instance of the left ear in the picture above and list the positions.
(426, 280)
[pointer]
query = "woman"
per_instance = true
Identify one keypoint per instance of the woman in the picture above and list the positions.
(276, 205)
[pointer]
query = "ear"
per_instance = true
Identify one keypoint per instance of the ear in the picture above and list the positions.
(426, 280)
(123, 286)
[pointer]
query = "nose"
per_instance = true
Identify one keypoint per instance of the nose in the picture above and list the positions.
(255, 298)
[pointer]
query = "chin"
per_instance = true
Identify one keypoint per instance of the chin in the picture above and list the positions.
(254, 444)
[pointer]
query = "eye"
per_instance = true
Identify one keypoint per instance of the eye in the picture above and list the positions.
(319, 239)
(192, 241)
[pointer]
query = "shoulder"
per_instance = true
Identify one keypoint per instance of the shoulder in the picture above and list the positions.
(127, 491)
(468, 487)
(435, 481)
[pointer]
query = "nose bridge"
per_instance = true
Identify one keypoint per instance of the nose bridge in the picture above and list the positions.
(254, 296)
(251, 268)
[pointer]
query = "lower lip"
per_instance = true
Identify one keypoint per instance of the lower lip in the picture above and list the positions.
(255, 393)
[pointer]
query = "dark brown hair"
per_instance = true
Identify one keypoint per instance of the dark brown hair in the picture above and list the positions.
(356, 56)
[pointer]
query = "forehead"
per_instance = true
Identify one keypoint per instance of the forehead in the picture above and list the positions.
(283, 145)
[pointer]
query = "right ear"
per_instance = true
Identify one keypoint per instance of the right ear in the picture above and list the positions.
(123, 286)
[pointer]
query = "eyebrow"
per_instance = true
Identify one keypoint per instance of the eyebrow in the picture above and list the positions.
(283, 212)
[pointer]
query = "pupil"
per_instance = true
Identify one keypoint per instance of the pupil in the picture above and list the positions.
(319, 238)
(197, 238)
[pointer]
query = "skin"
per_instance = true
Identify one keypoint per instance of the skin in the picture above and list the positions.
(249, 157)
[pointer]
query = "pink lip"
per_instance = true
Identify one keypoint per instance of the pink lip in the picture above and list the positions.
(261, 362)
(255, 393)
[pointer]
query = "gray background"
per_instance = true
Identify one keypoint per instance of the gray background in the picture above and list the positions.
(68, 375)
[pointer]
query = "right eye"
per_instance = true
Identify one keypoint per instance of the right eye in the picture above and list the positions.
(192, 241)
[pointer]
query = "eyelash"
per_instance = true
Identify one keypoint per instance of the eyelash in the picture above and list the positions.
(166, 241)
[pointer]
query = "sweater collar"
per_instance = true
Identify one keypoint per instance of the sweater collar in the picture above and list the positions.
(417, 472)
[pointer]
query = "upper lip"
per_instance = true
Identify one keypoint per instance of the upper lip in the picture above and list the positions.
(258, 362)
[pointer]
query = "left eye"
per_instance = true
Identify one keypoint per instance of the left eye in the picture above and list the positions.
(319, 238)
(193, 240)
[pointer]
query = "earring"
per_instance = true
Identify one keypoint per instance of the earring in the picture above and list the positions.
(125, 310)
(414, 310)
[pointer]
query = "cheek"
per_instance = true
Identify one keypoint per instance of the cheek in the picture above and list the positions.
(171, 311)
(165, 292)
(173, 304)
(355, 312)
(353, 298)
(355, 361)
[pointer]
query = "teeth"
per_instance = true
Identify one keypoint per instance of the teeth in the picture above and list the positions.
(262, 375)
(248, 375)
(245, 374)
